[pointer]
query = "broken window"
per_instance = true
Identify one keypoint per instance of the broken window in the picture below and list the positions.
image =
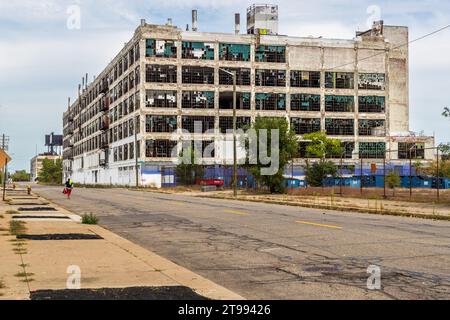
(413, 150)
(305, 102)
(339, 80)
(198, 50)
(198, 75)
(266, 53)
(372, 150)
(189, 123)
(234, 52)
(159, 148)
(226, 123)
(340, 127)
(207, 150)
(161, 48)
(339, 103)
(125, 152)
(349, 148)
(161, 99)
(270, 78)
(154, 123)
(372, 104)
(372, 128)
(305, 79)
(372, 81)
(242, 76)
(198, 100)
(161, 73)
(242, 100)
(305, 125)
(131, 148)
(270, 101)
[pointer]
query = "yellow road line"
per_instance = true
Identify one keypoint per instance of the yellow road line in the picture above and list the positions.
(318, 225)
(241, 213)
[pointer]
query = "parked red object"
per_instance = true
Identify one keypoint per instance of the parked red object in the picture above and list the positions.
(212, 182)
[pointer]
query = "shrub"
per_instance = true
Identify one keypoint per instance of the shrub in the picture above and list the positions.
(89, 219)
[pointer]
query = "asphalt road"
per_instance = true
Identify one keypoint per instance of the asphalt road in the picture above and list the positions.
(264, 251)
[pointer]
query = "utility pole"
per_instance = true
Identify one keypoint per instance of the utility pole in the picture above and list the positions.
(5, 172)
(136, 156)
(437, 175)
(234, 137)
(235, 173)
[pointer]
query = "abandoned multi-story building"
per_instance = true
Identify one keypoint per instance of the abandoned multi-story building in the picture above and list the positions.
(125, 123)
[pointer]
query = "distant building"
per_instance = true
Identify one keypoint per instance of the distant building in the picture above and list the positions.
(165, 80)
(36, 163)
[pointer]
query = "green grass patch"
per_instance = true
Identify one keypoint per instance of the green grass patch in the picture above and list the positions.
(17, 227)
(89, 219)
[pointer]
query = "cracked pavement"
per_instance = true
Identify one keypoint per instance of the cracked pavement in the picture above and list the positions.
(265, 251)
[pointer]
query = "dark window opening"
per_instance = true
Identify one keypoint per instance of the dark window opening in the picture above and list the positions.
(155, 123)
(198, 100)
(270, 101)
(374, 128)
(270, 78)
(242, 100)
(372, 104)
(189, 123)
(372, 150)
(198, 75)
(304, 126)
(339, 104)
(161, 73)
(413, 150)
(266, 53)
(242, 76)
(234, 52)
(340, 127)
(159, 148)
(305, 102)
(161, 99)
(339, 80)
(305, 79)
(226, 123)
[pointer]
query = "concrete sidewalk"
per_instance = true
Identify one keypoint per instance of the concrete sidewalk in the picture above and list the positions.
(110, 262)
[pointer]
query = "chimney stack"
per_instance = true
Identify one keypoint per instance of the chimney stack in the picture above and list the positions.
(82, 85)
(86, 81)
(68, 102)
(169, 22)
(237, 23)
(143, 22)
(194, 20)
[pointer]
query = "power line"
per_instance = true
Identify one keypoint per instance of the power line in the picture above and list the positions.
(396, 47)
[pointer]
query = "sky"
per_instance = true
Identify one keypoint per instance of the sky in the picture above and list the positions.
(46, 46)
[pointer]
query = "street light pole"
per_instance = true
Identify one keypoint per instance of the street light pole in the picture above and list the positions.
(234, 136)
(233, 74)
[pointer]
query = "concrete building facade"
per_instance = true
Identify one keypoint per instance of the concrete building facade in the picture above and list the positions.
(166, 80)
(36, 164)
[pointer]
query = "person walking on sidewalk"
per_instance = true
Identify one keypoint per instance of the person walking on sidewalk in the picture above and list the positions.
(68, 189)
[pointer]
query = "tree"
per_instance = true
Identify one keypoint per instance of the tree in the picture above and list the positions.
(322, 147)
(287, 150)
(51, 171)
(20, 176)
(187, 171)
(318, 171)
(393, 181)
